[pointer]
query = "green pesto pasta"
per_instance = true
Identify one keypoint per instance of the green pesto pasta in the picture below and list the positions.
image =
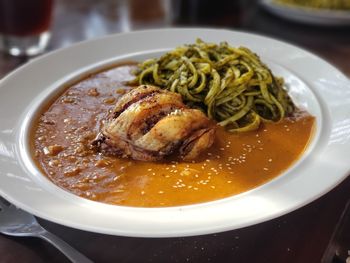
(231, 85)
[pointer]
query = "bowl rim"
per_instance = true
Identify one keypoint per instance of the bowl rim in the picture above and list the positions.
(23, 126)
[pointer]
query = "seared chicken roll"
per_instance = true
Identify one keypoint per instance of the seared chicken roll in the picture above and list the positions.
(149, 124)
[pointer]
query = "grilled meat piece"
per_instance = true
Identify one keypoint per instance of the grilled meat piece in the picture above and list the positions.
(149, 124)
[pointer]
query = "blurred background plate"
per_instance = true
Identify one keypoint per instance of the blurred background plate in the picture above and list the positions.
(307, 15)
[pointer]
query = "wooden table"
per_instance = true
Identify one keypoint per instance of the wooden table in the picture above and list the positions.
(301, 236)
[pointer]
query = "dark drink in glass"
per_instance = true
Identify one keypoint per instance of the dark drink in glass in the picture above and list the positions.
(24, 25)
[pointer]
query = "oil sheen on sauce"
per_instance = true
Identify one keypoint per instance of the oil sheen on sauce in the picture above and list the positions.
(234, 164)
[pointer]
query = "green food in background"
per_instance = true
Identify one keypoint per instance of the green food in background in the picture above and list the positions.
(322, 4)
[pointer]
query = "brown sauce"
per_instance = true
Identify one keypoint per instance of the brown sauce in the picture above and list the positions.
(234, 164)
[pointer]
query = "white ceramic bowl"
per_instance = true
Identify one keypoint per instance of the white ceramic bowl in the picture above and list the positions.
(314, 84)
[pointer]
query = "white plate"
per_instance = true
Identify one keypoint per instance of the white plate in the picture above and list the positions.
(308, 15)
(314, 84)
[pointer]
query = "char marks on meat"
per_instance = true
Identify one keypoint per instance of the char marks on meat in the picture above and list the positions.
(150, 124)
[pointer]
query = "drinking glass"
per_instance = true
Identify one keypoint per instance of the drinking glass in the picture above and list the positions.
(24, 26)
